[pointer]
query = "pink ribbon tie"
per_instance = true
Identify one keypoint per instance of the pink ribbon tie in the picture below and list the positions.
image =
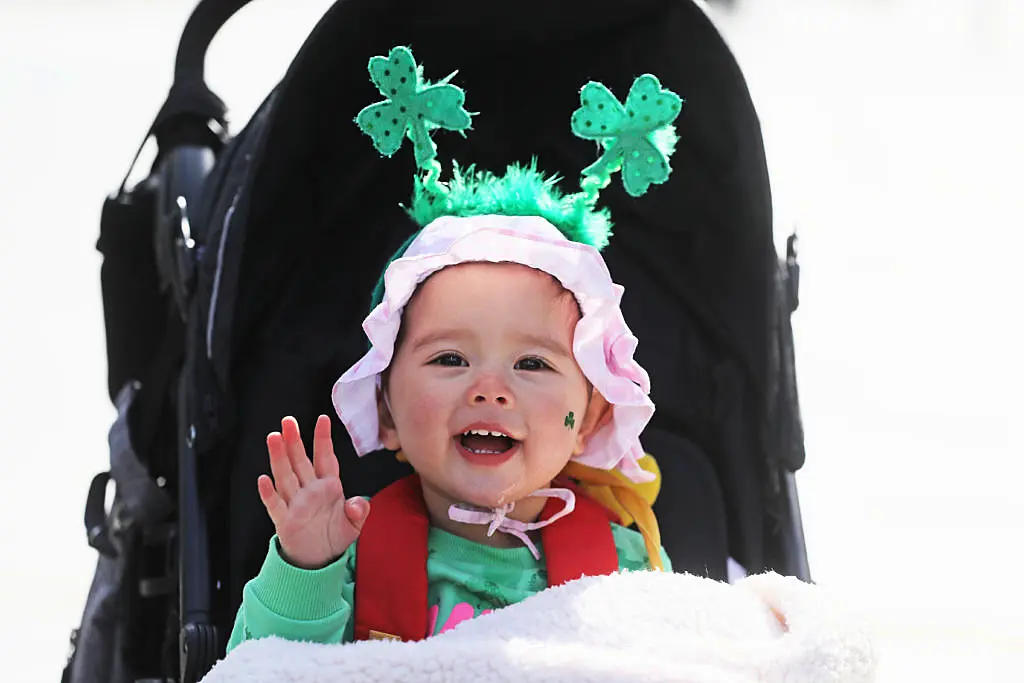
(497, 519)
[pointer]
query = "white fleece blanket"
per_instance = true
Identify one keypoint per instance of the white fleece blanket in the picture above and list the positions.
(640, 626)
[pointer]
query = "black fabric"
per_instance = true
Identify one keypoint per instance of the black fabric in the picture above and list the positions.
(313, 213)
(692, 511)
(122, 636)
(784, 400)
(134, 308)
(151, 418)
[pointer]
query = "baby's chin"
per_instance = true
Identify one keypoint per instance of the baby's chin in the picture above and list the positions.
(488, 489)
(485, 496)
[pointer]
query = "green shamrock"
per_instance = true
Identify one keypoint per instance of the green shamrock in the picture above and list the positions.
(627, 133)
(413, 107)
(570, 420)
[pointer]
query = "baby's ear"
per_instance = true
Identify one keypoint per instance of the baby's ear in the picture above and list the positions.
(387, 432)
(599, 413)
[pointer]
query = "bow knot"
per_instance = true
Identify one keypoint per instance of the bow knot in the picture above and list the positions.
(497, 519)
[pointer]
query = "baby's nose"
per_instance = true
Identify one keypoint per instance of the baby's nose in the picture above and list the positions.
(489, 389)
(491, 397)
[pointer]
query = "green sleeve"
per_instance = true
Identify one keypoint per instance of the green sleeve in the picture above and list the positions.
(633, 552)
(297, 604)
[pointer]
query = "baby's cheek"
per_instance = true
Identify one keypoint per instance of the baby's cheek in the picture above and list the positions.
(425, 409)
(558, 417)
(553, 437)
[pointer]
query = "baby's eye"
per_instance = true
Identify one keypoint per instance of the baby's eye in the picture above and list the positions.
(532, 364)
(449, 360)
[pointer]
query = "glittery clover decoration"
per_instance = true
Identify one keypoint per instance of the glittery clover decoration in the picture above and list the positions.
(637, 137)
(413, 109)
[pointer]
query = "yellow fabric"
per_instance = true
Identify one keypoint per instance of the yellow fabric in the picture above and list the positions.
(630, 501)
(648, 491)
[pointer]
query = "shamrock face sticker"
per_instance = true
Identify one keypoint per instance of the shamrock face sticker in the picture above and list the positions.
(628, 132)
(412, 108)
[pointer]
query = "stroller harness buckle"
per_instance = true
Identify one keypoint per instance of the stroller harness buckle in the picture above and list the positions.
(379, 635)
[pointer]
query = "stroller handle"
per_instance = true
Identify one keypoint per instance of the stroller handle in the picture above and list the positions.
(208, 17)
(191, 105)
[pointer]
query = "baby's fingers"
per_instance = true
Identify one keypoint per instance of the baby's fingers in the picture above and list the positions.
(281, 467)
(325, 462)
(346, 527)
(276, 507)
(357, 510)
(301, 465)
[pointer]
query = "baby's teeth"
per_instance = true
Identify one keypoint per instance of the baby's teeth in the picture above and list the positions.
(483, 432)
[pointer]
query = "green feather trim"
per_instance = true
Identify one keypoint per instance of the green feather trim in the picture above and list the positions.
(522, 191)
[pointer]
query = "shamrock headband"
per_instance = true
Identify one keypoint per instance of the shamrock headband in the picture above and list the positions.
(519, 218)
(636, 138)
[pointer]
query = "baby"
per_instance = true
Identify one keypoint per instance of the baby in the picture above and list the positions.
(501, 369)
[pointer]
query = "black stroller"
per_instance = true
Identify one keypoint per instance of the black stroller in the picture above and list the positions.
(235, 281)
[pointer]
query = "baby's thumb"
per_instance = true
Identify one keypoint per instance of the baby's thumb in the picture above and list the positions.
(356, 510)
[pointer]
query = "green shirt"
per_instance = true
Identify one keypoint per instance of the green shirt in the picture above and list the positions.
(465, 579)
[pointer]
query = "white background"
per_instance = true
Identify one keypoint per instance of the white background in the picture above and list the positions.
(895, 137)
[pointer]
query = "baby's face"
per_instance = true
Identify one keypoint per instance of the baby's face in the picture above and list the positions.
(487, 347)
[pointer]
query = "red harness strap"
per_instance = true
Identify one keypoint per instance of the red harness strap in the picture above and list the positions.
(391, 565)
(579, 544)
(391, 557)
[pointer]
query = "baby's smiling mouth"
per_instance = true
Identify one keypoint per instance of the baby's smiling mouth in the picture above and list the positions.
(486, 441)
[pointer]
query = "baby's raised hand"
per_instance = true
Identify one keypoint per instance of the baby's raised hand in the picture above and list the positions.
(306, 502)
